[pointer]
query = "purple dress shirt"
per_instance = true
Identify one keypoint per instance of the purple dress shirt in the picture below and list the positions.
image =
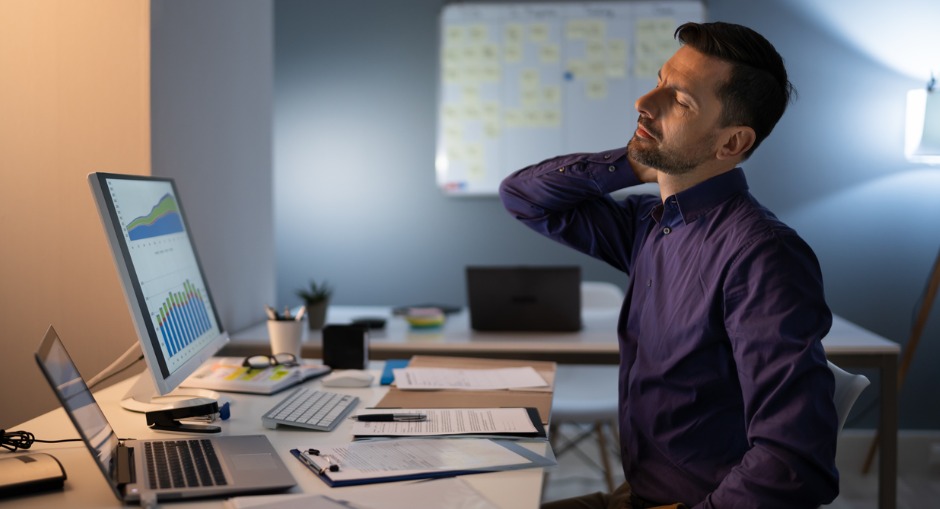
(725, 395)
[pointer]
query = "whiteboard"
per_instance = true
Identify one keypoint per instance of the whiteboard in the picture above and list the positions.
(520, 83)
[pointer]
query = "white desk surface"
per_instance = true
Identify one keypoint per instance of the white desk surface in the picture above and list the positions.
(86, 487)
(847, 345)
(598, 337)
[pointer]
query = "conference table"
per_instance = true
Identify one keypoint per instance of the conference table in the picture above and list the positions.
(847, 345)
(85, 486)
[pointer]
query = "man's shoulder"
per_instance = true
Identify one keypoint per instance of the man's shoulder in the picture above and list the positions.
(746, 222)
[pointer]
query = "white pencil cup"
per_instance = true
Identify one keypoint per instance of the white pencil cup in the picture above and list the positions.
(286, 336)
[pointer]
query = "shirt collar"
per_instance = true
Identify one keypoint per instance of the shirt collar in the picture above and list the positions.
(702, 197)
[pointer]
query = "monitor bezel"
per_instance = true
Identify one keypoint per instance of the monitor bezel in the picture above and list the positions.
(147, 336)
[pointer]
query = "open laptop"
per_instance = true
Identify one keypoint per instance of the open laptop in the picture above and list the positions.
(151, 470)
(524, 298)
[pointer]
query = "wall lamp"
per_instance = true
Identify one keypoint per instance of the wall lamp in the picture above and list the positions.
(922, 133)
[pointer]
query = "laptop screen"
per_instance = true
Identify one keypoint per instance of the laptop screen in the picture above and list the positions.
(78, 402)
(524, 298)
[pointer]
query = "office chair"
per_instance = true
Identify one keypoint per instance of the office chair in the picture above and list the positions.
(848, 387)
(586, 395)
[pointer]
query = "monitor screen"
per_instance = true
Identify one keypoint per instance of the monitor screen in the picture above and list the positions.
(166, 290)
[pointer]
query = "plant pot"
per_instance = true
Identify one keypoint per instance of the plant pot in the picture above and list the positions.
(316, 314)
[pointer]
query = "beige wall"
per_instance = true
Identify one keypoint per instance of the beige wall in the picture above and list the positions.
(74, 98)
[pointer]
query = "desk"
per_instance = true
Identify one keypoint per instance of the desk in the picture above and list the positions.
(596, 343)
(87, 488)
(847, 345)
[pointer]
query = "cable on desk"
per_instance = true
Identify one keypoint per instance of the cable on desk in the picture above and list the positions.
(13, 440)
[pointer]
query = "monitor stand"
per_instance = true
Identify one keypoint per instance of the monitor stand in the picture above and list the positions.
(163, 412)
(143, 396)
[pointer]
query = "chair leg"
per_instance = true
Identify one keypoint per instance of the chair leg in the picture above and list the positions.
(605, 458)
(553, 441)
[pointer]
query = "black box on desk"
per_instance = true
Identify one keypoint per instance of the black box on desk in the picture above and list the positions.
(346, 346)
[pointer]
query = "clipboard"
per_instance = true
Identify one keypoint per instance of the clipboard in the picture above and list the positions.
(343, 476)
(539, 398)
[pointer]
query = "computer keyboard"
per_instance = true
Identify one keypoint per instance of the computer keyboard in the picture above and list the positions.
(310, 408)
(181, 463)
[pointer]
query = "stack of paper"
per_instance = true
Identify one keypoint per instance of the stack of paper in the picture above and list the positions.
(522, 377)
(538, 396)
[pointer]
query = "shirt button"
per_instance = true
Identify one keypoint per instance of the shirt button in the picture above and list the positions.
(562, 169)
(611, 168)
(667, 230)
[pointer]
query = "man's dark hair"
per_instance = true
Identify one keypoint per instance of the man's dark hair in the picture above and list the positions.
(758, 91)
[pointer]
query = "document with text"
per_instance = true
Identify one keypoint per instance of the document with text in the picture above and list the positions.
(455, 421)
(468, 379)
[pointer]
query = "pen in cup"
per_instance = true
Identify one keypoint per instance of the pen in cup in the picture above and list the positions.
(272, 314)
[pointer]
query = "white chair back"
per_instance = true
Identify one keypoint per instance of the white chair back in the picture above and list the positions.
(848, 387)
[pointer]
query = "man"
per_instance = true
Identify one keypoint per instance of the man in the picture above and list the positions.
(725, 395)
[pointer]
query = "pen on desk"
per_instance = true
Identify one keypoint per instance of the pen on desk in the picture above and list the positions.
(391, 417)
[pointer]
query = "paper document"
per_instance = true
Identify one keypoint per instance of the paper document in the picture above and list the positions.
(448, 492)
(451, 421)
(468, 379)
(371, 461)
(300, 501)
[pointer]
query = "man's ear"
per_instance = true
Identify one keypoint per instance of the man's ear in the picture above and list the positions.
(737, 141)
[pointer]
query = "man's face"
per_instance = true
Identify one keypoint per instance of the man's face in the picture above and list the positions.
(678, 128)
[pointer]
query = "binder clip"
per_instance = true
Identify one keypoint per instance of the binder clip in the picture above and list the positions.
(203, 410)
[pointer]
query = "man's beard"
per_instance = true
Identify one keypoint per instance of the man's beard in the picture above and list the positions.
(666, 160)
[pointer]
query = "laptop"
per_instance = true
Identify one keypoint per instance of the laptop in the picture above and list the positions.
(149, 470)
(524, 298)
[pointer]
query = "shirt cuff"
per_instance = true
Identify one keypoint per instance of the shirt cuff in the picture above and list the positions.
(611, 170)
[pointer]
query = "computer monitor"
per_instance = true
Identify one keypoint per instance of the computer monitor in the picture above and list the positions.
(166, 290)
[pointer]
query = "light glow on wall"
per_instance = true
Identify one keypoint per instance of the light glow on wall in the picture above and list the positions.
(922, 131)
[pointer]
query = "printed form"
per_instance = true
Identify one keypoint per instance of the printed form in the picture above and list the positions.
(450, 421)
(468, 379)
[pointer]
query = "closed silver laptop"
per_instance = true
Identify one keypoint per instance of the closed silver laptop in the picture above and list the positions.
(160, 469)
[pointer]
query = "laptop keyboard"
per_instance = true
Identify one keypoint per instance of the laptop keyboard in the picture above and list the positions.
(183, 463)
(309, 408)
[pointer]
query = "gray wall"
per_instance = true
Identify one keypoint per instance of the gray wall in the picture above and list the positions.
(355, 95)
(212, 79)
(357, 203)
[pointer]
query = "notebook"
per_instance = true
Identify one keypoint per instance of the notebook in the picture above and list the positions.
(222, 465)
(524, 298)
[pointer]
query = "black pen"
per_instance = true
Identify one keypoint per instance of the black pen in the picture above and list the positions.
(391, 417)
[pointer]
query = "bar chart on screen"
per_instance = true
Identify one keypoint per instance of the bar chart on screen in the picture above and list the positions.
(183, 317)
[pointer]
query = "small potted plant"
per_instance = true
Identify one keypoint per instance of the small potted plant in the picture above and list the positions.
(316, 299)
